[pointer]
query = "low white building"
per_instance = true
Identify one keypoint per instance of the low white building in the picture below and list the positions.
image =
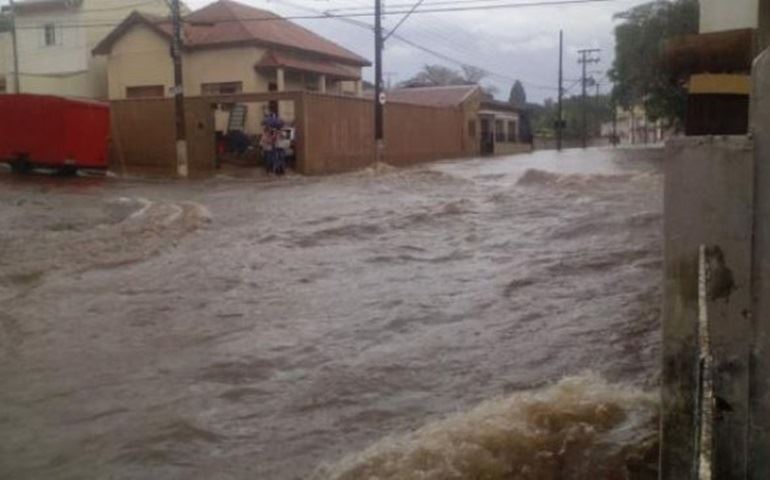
(632, 127)
(55, 39)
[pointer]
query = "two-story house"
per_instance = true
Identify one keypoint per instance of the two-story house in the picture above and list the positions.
(228, 48)
(55, 39)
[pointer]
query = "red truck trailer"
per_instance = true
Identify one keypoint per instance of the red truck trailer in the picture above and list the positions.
(65, 134)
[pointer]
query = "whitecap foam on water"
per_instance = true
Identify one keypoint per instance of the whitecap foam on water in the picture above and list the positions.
(581, 428)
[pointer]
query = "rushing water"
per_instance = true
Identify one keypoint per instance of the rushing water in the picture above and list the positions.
(482, 319)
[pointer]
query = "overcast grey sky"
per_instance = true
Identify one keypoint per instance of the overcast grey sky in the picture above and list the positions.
(518, 43)
(512, 43)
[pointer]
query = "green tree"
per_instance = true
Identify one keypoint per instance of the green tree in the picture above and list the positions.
(440, 76)
(518, 96)
(598, 111)
(435, 76)
(638, 71)
(5, 23)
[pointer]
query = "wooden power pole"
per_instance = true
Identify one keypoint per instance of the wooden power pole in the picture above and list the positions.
(585, 59)
(379, 94)
(15, 46)
(176, 54)
(560, 114)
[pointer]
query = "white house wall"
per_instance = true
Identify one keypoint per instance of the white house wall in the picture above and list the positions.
(68, 56)
(721, 15)
(5, 53)
(68, 68)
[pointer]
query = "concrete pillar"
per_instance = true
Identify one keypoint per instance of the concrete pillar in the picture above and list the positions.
(280, 83)
(280, 79)
(322, 83)
(359, 88)
(708, 203)
(759, 460)
(718, 196)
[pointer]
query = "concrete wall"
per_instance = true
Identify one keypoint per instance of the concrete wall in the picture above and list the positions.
(759, 461)
(708, 202)
(507, 148)
(720, 15)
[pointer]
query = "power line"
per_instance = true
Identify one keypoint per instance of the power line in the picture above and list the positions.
(434, 53)
(122, 7)
(460, 46)
(403, 19)
(532, 4)
(407, 5)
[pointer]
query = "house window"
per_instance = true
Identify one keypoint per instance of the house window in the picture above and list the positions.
(49, 33)
(224, 88)
(145, 91)
(499, 131)
(472, 128)
(512, 131)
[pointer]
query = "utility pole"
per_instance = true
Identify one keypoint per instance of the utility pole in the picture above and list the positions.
(14, 41)
(379, 95)
(560, 116)
(614, 122)
(585, 59)
(176, 54)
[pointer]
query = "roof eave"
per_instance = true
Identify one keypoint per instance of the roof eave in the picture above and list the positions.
(261, 43)
(105, 46)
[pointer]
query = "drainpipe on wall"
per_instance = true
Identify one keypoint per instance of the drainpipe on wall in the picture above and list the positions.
(14, 41)
(764, 24)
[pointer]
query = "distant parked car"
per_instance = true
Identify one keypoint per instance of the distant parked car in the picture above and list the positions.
(46, 131)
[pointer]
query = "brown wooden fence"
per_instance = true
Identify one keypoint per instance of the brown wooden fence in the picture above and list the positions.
(143, 137)
(334, 133)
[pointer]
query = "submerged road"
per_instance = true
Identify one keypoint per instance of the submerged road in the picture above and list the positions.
(236, 329)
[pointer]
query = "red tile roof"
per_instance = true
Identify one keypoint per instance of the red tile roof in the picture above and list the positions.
(274, 59)
(449, 96)
(226, 22)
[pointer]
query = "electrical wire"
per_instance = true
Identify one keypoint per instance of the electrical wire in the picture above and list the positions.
(531, 4)
(429, 51)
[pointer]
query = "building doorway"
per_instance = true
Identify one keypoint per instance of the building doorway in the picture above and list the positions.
(487, 137)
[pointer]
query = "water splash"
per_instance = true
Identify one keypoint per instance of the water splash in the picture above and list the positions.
(581, 428)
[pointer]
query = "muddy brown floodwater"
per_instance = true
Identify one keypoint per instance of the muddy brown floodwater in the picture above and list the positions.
(494, 319)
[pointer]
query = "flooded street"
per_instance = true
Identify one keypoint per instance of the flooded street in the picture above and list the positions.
(241, 329)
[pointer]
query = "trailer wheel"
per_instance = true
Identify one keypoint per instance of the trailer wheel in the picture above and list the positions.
(68, 171)
(21, 165)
